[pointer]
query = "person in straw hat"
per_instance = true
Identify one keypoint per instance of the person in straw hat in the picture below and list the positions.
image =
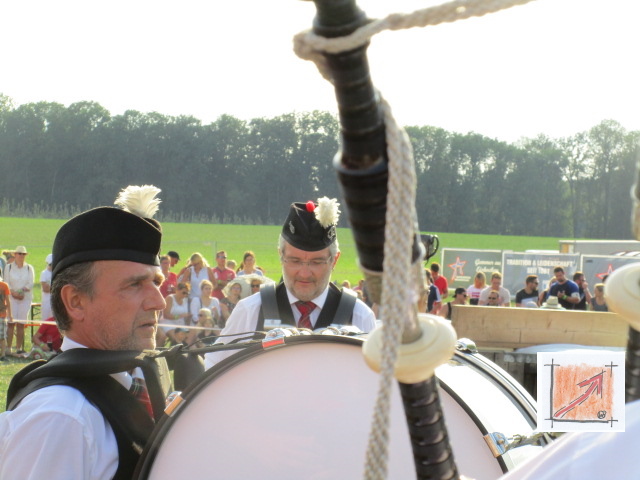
(552, 304)
(306, 298)
(20, 277)
(105, 295)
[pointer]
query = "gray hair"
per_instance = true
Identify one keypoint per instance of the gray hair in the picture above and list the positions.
(81, 276)
(334, 248)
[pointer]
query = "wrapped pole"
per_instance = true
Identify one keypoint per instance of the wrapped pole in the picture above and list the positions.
(362, 167)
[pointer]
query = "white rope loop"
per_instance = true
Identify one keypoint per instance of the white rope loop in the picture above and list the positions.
(398, 295)
(308, 46)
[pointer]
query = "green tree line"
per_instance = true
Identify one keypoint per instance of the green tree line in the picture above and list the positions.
(58, 160)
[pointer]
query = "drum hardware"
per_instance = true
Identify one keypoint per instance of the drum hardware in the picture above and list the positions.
(501, 444)
(173, 402)
(466, 345)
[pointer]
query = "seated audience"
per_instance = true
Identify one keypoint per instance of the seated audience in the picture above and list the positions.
(197, 338)
(459, 298)
(528, 296)
(598, 302)
(176, 315)
(479, 284)
(205, 300)
(496, 285)
(46, 341)
(248, 265)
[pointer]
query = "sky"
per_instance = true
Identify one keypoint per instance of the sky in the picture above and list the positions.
(556, 67)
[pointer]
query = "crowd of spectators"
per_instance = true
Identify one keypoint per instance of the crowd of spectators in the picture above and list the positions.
(560, 293)
(202, 295)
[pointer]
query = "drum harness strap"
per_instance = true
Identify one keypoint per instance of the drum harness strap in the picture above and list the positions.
(88, 371)
(338, 307)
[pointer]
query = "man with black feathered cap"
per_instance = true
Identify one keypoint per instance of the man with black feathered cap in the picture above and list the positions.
(306, 298)
(105, 295)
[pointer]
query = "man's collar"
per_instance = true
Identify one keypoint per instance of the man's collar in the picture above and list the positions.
(68, 344)
(124, 378)
(319, 300)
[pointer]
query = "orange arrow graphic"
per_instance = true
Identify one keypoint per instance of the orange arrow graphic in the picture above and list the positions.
(595, 384)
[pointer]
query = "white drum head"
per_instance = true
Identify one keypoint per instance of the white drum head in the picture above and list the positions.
(300, 411)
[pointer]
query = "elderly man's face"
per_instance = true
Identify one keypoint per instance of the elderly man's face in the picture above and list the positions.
(306, 274)
(123, 312)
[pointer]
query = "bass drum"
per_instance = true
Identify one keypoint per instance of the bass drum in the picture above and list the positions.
(304, 410)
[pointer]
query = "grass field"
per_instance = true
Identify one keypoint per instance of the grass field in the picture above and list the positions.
(38, 234)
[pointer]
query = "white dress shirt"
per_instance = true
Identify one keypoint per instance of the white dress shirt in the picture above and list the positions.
(244, 318)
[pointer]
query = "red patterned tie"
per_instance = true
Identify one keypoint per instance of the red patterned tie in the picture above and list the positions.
(139, 391)
(305, 309)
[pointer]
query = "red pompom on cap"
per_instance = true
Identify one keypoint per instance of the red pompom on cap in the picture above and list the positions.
(311, 206)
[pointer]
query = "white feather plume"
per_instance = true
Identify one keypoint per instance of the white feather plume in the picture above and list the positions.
(139, 200)
(328, 211)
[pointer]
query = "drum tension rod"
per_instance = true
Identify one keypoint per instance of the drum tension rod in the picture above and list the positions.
(499, 444)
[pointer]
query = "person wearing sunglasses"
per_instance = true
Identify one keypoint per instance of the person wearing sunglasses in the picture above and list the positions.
(495, 284)
(528, 296)
(493, 300)
(306, 298)
(459, 298)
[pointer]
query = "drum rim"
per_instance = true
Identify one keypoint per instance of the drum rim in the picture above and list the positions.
(504, 381)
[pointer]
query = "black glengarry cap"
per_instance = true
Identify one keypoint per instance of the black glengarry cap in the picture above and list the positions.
(108, 233)
(311, 226)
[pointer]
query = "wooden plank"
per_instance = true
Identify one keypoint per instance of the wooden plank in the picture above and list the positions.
(502, 327)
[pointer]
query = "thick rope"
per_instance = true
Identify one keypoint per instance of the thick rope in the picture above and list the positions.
(401, 280)
(398, 287)
(309, 46)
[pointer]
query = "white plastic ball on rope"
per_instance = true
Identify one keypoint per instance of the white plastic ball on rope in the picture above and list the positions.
(622, 292)
(418, 360)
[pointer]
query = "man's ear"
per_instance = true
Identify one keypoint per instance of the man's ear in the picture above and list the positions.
(74, 302)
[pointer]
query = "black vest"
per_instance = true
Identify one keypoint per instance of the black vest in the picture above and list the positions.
(337, 309)
(88, 371)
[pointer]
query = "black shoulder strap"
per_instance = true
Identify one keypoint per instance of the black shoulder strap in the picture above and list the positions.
(17, 383)
(337, 309)
(269, 304)
(344, 315)
(275, 305)
(86, 363)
